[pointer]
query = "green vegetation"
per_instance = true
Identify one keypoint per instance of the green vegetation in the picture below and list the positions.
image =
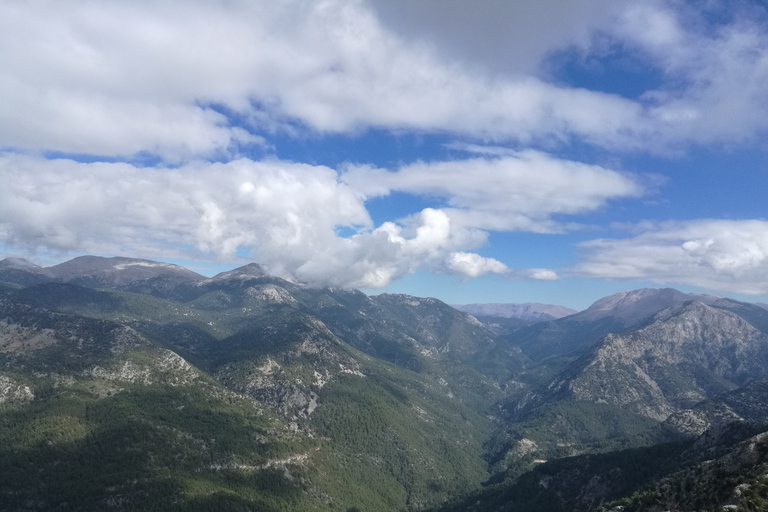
(263, 395)
(145, 448)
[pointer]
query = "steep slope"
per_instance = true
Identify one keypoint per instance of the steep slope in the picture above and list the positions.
(662, 477)
(93, 416)
(402, 439)
(440, 329)
(748, 403)
(688, 353)
(736, 480)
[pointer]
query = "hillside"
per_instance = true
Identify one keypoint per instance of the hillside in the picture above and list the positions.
(405, 436)
(132, 385)
(686, 354)
(729, 464)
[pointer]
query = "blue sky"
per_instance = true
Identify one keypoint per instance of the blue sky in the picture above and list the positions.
(489, 151)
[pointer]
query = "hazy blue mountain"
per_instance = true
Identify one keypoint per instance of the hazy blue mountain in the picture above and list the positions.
(529, 311)
(18, 271)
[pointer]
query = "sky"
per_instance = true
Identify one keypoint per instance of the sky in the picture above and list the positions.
(496, 151)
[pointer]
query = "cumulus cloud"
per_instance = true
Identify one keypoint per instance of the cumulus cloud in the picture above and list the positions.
(121, 77)
(725, 255)
(518, 191)
(195, 81)
(474, 265)
(284, 214)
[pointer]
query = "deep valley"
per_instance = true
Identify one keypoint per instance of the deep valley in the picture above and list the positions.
(134, 385)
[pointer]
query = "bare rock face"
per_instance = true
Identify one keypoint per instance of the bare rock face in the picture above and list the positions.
(745, 404)
(688, 353)
(13, 391)
(288, 379)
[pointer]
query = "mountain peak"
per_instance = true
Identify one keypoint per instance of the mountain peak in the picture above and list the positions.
(19, 263)
(118, 270)
(635, 305)
(249, 271)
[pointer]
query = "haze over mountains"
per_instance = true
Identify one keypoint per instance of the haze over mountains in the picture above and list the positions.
(249, 391)
(528, 311)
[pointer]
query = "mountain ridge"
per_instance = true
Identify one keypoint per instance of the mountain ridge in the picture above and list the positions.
(530, 311)
(385, 402)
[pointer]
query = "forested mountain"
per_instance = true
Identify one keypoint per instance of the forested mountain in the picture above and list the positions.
(134, 385)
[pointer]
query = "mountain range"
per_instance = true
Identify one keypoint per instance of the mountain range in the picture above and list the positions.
(129, 384)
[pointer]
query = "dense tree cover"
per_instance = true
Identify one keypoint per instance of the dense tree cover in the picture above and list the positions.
(145, 448)
(392, 439)
(736, 479)
(433, 458)
(404, 416)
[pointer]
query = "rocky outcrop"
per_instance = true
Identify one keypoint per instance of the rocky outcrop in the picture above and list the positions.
(13, 391)
(688, 353)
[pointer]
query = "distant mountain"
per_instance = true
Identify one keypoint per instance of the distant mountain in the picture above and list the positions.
(530, 311)
(687, 353)
(130, 384)
(18, 271)
(249, 271)
(19, 263)
(127, 274)
(613, 314)
(633, 306)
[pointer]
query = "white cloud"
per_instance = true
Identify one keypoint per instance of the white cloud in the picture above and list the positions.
(714, 75)
(725, 255)
(120, 77)
(103, 208)
(474, 265)
(541, 274)
(285, 214)
(518, 191)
